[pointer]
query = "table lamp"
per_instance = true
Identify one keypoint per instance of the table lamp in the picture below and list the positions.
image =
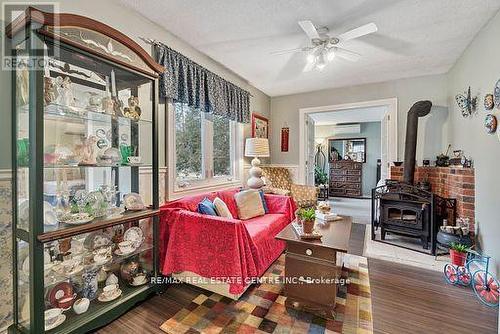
(256, 148)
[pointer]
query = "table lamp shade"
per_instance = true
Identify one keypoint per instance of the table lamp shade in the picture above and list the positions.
(256, 147)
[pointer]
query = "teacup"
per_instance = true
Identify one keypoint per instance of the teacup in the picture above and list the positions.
(100, 258)
(103, 251)
(51, 316)
(109, 290)
(70, 265)
(126, 246)
(139, 279)
(81, 305)
(134, 159)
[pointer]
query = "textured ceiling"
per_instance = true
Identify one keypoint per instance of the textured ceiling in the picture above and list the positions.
(415, 37)
(358, 115)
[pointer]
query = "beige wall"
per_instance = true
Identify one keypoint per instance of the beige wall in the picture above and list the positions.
(432, 133)
(479, 67)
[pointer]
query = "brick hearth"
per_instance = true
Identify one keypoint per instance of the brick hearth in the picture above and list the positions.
(450, 182)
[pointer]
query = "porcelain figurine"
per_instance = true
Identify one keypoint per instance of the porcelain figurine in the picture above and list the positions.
(86, 151)
(112, 279)
(65, 91)
(50, 93)
(108, 105)
(133, 111)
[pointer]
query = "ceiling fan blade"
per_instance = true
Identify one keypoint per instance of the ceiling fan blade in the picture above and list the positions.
(309, 29)
(282, 52)
(346, 54)
(358, 32)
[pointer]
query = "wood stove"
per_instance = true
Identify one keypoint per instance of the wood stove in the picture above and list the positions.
(402, 208)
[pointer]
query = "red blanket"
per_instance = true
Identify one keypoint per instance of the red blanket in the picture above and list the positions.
(231, 250)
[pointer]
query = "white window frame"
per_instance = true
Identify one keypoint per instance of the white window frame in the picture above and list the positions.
(208, 183)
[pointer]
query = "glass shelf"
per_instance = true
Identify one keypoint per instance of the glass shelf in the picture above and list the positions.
(52, 277)
(79, 115)
(74, 321)
(64, 230)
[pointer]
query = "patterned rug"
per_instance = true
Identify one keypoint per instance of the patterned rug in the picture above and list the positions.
(262, 308)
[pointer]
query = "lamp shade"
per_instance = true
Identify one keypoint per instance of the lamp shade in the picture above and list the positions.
(256, 147)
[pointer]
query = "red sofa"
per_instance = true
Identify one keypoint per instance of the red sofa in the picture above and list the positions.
(231, 250)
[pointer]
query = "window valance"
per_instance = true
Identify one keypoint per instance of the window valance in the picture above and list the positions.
(187, 82)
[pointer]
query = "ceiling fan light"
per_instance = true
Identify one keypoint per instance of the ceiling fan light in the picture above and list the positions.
(320, 66)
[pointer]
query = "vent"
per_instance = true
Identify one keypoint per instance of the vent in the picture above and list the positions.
(346, 129)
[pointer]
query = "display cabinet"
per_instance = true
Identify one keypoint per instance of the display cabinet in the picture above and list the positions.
(85, 161)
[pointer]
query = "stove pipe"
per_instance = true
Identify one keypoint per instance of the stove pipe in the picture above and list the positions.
(419, 109)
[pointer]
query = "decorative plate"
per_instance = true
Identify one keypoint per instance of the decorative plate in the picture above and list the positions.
(135, 236)
(489, 102)
(119, 252)
(77, 219)
(490, 123)
(496, 94)
(133, 202)
(96, 240)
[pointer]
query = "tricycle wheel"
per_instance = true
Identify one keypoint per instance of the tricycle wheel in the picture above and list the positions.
(486, 288)
(464, 276)
(451, 273)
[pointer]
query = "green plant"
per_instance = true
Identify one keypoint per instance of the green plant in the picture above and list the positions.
(458, 247)
(308, 214)
(320, 177)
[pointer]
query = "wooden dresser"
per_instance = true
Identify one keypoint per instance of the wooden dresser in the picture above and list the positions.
(311, 267)
(345, 178)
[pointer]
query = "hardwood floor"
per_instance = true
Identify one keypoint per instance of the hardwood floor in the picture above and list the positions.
(404, 300)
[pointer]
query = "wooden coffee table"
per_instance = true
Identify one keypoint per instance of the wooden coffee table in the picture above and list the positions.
(311, 266)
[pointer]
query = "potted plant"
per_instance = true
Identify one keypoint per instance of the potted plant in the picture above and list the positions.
(320, 177)
(308, 216)
(458, 253)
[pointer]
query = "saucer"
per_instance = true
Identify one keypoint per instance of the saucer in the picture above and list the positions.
(59, 321)
(103, 298)
(119, 252)
(77, 219)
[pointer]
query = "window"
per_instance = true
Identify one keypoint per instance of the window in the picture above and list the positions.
(205, 148)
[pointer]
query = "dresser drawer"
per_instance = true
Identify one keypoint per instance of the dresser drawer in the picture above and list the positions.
(353, 172)
(310, 279)
(312, 251)
(353, 178)
(337, 178)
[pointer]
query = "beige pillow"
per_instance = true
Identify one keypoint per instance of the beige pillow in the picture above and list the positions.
(249, 204)
(222, 209)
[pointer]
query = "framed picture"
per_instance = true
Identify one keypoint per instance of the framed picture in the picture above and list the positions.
(260, 126)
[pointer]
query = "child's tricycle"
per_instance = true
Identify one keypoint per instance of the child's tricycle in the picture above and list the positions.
(470, 272)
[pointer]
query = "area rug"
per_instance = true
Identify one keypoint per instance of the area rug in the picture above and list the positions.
(384, 251)
(262, 308)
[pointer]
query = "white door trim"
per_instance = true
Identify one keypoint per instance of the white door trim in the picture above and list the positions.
(392, 105)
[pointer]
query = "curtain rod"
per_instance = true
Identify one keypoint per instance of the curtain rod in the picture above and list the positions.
(153, 41)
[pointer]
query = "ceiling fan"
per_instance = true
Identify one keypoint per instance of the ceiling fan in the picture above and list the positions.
(324, 47)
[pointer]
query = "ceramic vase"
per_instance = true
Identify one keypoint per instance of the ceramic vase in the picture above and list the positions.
(90, 284)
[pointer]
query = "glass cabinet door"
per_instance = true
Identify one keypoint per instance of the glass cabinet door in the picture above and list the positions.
(97, 140)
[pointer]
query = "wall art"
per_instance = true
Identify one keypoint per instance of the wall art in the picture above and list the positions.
(260, 126)
(467, 103)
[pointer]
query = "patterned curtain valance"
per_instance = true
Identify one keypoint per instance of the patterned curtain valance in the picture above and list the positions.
(187, 82)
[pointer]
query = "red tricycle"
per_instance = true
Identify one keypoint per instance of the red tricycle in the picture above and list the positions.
(469, 271)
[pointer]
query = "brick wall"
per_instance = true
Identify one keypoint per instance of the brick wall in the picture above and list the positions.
(450, 182)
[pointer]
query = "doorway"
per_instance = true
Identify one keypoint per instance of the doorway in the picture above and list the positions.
(345, 114)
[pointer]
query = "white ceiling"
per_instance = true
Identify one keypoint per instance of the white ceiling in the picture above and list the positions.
(415, 37)
(361, 115)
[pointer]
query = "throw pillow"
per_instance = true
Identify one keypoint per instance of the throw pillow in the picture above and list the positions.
(249, 204)
(222, 209)
(264, 204)
(206, 207)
